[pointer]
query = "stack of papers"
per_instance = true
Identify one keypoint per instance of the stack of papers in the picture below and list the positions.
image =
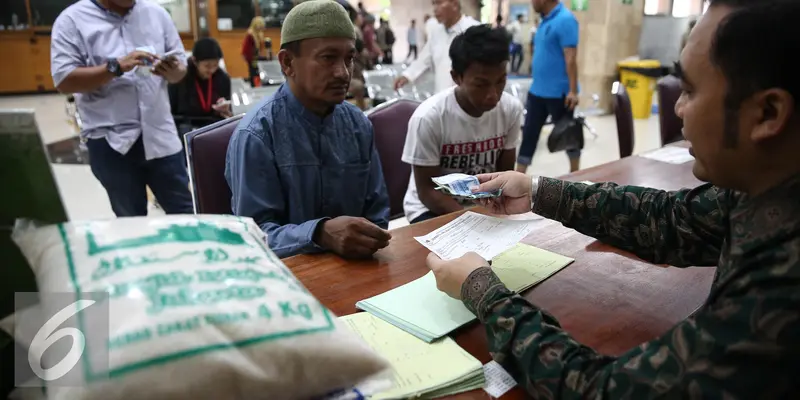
(420, 369)
(461, 186)
(670, 154)
(420, 309)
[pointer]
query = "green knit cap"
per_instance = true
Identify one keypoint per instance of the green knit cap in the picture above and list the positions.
(317, 19)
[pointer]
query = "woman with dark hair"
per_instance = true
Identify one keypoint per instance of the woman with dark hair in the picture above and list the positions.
(203, 96)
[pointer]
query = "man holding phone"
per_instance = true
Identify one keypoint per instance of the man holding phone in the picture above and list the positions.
(106, 52)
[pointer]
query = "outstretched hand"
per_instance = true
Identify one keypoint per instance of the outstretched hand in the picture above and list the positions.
(516, 195)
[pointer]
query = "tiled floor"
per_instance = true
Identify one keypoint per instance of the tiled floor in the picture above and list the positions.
(86, 199)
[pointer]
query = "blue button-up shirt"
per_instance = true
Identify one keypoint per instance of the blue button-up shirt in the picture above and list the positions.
(289, 169)
(558, 30)
(85, 35)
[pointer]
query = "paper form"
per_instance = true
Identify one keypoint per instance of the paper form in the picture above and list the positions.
(498, 381)
(418, 366)
(524, 266)
(670, 154)
(485, 235)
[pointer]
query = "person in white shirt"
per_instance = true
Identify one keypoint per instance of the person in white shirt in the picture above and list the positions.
(515, 30)
(412, 41)
(434, 53)
(473, 128)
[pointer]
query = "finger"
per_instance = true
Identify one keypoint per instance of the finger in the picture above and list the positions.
(490, 186)
(142, 55)
(433, 261)
(361, 240)
(369, 229)
(159, 70)
(487, 177)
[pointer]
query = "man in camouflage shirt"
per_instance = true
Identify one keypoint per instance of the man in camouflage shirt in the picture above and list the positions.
(741, 111)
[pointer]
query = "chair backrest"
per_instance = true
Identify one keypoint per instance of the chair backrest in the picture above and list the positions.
(390, 123)
(624, 117)
(206, 149)
(270, 72)
(669, 91)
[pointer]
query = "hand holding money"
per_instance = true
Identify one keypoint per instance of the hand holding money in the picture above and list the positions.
(461, 186)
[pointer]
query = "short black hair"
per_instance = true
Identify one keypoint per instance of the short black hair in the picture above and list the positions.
(479, 44)
(206, 49)
(754, 48)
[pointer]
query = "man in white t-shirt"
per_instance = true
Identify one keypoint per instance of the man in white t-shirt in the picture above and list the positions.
(473, 128)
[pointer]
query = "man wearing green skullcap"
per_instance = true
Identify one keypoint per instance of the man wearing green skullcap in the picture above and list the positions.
(302, 162)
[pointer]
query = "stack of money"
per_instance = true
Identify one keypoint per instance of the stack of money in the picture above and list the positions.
(461, 186)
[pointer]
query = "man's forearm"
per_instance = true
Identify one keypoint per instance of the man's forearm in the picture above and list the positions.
(572, 73)
(507, 160)
(85, 79)
(439, 203)
(656, 225)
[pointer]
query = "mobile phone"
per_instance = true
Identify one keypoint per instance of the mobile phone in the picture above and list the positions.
(172, 53)
(169, 56)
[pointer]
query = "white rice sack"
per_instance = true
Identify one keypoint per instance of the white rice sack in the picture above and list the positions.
(200, 308)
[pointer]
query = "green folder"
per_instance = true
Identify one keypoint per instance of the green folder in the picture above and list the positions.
(420, 309)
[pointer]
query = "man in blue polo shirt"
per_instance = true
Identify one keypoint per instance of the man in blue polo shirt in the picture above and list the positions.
(554, 91)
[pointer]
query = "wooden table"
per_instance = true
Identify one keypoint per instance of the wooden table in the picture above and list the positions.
(607, 299)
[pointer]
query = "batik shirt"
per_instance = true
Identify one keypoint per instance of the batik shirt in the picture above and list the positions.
(744, 342)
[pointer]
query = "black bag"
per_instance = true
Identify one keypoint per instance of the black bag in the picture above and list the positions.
(390, 39)
(567, 134)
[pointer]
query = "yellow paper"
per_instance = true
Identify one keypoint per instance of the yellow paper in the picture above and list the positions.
(419, 367)
(524, 266)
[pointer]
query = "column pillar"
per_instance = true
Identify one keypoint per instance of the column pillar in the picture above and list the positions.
(609, 32)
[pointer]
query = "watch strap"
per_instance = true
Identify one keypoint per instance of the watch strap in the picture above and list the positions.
(534, 189)
(112, 65)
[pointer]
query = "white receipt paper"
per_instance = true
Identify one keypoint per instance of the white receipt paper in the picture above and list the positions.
(498, 381)
(670, 154)
(485, 235)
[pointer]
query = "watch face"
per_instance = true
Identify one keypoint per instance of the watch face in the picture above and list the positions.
(113, 67)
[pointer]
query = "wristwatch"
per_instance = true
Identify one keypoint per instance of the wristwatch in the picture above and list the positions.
(112, 66)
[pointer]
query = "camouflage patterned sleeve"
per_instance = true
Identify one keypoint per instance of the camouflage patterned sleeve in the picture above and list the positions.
(683, 228)
(740, 347)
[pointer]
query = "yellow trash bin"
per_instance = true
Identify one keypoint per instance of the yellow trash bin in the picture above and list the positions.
(639, 78)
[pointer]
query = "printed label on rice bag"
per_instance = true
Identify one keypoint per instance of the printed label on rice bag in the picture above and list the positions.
(180, 280)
